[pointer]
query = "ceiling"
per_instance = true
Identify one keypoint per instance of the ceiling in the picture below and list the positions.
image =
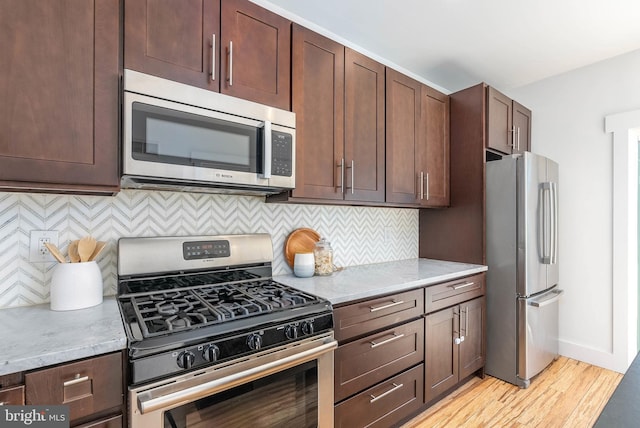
(458, 43)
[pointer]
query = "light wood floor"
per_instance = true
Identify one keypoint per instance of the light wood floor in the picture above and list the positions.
(568, 393)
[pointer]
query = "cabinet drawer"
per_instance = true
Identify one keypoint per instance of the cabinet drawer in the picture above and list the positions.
(12, 396)
(367, 361)
(384, 404)
(87, 387)
(453, 292)
(364, 317)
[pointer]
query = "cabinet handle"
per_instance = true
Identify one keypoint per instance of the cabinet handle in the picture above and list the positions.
(513, 137)
(341, 166)
(395, 337)
(459, 286)
(388, 305)
(77, 379)
(465, 311)
(353, 168)
(213, 57)
(427, 186)
(384, 394)
(421, 185)
(518, 138)
(230, 78)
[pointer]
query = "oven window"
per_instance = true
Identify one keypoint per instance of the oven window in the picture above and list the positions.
(285, 399)
(175, 137)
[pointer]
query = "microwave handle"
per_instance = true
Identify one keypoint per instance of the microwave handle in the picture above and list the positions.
(267, 150)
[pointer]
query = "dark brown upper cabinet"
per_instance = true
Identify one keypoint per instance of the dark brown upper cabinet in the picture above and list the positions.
(403, 169)
(364, 152)
(232, 46)
(434, 149)
(318, 101)
(338, 98)
(59, 105)
(508, 124)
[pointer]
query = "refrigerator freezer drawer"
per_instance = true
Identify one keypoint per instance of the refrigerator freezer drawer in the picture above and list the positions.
(537, 333)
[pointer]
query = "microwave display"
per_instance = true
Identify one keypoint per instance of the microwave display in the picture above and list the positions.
(168, 136)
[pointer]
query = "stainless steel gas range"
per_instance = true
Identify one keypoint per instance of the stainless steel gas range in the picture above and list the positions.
(215, 341)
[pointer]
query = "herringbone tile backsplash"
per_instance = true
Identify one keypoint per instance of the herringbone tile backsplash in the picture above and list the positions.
(357, 234)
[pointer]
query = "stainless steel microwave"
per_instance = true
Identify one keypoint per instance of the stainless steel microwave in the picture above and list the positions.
(179, 137)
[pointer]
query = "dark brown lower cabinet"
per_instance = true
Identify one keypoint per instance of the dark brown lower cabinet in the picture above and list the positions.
(454, 346)
(110, 422)
(92, 388)
(363, 363)
(384, 404)
(12, 396)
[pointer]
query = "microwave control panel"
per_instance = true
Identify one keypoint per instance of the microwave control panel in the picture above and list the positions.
(282, 154)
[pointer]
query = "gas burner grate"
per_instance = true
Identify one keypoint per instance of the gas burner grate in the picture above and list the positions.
(172, 311)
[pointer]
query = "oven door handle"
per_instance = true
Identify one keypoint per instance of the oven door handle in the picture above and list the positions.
(147, 403)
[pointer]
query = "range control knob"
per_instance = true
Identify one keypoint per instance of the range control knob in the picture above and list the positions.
(186, 359)
(307, 327)
(211, 353)
(291, 332)
(254, 341)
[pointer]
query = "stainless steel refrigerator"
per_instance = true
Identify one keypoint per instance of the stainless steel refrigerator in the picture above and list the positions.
(522, 254)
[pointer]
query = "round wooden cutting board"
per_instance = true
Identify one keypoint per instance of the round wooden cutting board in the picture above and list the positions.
(301, 240)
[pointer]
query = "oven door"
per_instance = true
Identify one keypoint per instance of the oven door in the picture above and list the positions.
(288, 386)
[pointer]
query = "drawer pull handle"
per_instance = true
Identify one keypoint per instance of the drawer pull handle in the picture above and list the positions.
(384, 342)
(384, 394)
(459, 286)
(389, 305)
(75, 381)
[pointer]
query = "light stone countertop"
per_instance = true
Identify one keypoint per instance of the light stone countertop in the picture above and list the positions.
(366, 281)
(35, 336)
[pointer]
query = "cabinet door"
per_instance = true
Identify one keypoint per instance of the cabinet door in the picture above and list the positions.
(434, 148)
(441, 354)
(472, 349)
(256, 54)
(402, 129)
(59, 86)
(499, 121)
(318, 101)
(174, 41)
(364, 128)
(522, 128)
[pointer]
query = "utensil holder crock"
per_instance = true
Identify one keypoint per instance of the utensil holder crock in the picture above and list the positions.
(76, 286)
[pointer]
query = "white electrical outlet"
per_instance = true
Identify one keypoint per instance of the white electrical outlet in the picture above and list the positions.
(38, 253)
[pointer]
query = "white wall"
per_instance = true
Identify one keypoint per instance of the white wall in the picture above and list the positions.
(568, 126)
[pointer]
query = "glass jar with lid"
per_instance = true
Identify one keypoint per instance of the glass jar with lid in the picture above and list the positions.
(323, 254)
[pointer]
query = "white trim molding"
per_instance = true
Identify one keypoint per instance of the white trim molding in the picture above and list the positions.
(626, 134)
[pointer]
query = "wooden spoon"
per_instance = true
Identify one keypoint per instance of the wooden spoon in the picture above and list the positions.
(55, 252)
(96, 252)
(74, 257)
(86, 246)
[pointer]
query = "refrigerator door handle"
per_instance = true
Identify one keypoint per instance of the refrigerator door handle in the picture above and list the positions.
(554, 219)
(548, 301)
(546, 227)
